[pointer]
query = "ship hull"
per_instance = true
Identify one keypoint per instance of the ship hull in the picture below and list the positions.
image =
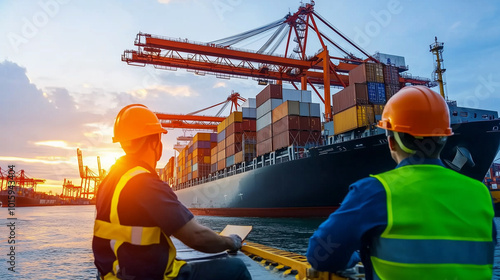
(22, 201)
(316, 185)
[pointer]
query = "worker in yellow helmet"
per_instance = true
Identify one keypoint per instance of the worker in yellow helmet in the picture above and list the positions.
(137, 213)
(419, 220)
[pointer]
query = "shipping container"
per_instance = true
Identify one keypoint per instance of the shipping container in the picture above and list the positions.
(390, 90)
(213, 137)
(270, 91)
(214, 159)
(201, 145)
(201, 137)
(221, 155)
(214, 151)
(265, 147)
(287, 108)
(249, 125)
(315, 123)
(391, 75)
(249, 113)
(267, 107)
(352, 118)
(235, 116)
(376, 93)
(249, 136)
(213, 167)
(354, 94)
(264, 121)
(265, 133)
(221, 135)
(229, 161)
(285, 124)
(378, 109)
(285, 139)
(221, 126)
(304, 109)
(250, 103)
(233, 149)
(314, 110)
(235, 127)
(367, 72)
(233, 138)
(292, 95)
(221, 164)
(304, 123)
(221, 145)
(306, 96)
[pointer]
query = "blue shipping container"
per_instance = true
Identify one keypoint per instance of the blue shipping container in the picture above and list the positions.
(376, 92)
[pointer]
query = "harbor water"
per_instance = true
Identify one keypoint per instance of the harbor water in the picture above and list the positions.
(55, 242)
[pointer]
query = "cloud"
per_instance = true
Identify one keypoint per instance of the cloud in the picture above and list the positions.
(220, 84)
(162, 90)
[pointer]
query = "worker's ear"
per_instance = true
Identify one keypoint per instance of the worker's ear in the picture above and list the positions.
(392, 143)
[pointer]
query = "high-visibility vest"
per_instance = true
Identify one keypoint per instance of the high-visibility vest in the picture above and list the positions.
(135, 235)
(439, 226)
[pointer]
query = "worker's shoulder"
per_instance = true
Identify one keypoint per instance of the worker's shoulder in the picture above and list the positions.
(371, 184)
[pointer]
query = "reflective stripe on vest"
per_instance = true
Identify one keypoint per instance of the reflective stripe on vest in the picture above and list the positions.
(136, 235)
(445, 233)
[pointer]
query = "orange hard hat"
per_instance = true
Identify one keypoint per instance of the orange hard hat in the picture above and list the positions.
(136, 121)
(418, 111)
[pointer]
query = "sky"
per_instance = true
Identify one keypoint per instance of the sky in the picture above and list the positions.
(62, 80)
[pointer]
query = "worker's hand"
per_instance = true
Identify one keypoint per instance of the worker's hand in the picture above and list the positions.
(236, 243)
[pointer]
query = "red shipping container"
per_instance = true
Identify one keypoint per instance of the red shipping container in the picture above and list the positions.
(285, 124)
(264, 147)
(233, 149)
(249, 135)
(265, 133)
(270, 91)
(233, 138)
(304, 123)
(286, 139)
(354, 94)
(249, 125)
(235, 127)
(315, 124)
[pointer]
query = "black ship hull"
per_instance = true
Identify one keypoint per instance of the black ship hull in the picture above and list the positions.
(316, 185)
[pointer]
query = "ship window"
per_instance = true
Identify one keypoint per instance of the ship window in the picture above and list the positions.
(455, 113)
(464, 114)
(485, 117)
(475, 115)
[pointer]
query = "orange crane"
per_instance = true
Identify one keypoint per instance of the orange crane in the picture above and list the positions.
(193, 121)
(219, 58)
(90, 179)
(22, 181)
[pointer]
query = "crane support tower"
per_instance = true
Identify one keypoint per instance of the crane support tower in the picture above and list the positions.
(437, 49)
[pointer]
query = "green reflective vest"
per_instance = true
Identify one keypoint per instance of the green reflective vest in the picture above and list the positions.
(136, 235)
(439, 226)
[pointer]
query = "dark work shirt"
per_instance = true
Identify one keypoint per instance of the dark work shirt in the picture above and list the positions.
(144, 201)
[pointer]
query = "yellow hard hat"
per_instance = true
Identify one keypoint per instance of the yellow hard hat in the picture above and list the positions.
(136, 121)
(418, 111)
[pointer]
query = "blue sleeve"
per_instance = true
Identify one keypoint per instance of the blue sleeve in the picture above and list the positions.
(332, 246)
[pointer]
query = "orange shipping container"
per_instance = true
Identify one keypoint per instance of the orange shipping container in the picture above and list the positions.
(286, 139)
(367, 72)
(233, 138)
(221, 145)
(214, 151)
(285, 124)
(265, 133)
(201, 137)
(235, 127)
(287, 108)
(221, 164)
(221, 155)
(214, 159)
(352, 118)
(222, 125)
(232, 149)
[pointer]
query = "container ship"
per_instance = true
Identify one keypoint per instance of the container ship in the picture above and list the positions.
(280, 156)
(492, 180)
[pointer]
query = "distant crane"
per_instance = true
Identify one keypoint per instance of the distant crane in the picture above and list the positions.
(22, 181)
(193, 121)
(295, 66)
(437, 49)
(90, 179)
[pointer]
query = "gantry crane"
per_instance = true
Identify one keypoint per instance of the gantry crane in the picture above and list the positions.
(296, 66)
(20, 179)
(90, 179)
(193, 121)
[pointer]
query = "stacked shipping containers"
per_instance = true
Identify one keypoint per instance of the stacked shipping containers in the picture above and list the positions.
(391, 79)
(268, 99)
(235, 138)
(194, 160)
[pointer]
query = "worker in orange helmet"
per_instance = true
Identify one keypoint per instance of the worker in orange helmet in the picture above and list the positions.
(419, 220)
(137, 213)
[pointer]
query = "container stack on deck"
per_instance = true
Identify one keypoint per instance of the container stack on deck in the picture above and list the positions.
(362, 102)
(235, 138)
(268, 99)
(194, 160)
